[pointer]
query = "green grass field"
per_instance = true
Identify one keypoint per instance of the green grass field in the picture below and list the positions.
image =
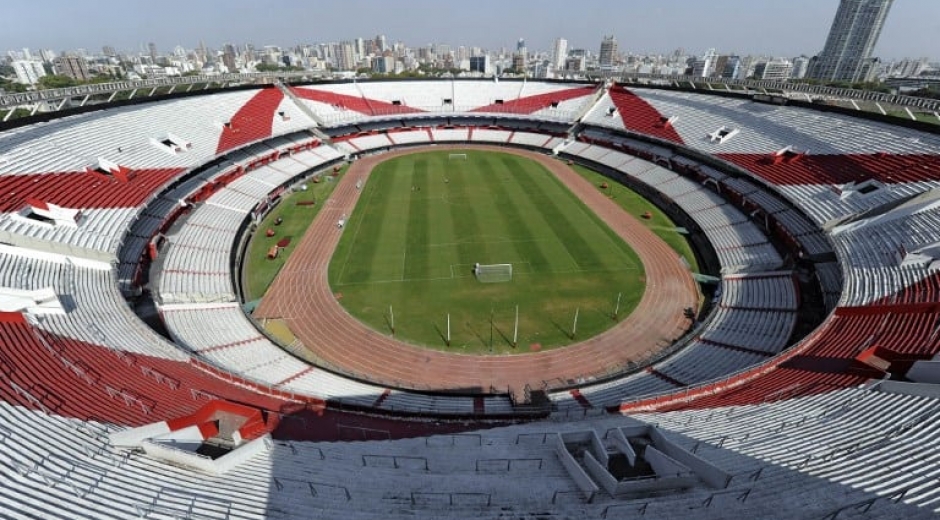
(634, 204)
(259, 270)
(424, 220)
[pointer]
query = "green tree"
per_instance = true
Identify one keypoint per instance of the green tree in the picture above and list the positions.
(56, 81)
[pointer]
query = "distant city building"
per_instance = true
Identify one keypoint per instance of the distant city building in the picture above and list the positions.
(575, 64)
(481, 65)
(47, 55)
(908, 68)
(346, 56)
(608, 54)
(383, 65)
(152, 47)
(28, 72)
(560, 53)
(74, 67)
(775, 70)
(521, 48)
(518, 63)
(847, 55)
(228, 58)
(702, 66)
(800, 67)
(731, 68)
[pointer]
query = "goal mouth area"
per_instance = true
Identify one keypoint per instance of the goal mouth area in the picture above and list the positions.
(493, 273)
(457, 156)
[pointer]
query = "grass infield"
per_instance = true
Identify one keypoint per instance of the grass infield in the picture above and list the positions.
(259, 270)
(423, 220)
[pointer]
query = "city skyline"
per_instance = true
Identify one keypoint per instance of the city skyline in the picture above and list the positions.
(796, 28)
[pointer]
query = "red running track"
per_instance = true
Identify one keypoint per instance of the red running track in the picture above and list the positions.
(301, 295)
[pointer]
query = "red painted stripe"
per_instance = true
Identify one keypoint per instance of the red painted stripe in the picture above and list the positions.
(253, 121)
(640, 116)
(840, 169)
(81, 190)
(369, 107)
(531, 104)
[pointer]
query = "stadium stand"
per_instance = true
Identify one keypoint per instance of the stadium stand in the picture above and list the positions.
(747, 423)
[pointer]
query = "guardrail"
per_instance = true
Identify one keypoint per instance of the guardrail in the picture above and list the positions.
(57, 94)
(802, 88)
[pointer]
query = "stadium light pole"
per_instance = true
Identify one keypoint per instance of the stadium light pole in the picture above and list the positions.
(448, 329)
(391, 318)
(515, 330)
(574, 326)
(617, 307)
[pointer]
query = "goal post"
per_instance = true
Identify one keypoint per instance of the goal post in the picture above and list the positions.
(493, 273)
(457, 156)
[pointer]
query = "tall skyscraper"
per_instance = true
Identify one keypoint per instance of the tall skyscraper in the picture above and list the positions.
(521, 48)
(608, 52)
(74, 67)
(851, 41)
(560, 53)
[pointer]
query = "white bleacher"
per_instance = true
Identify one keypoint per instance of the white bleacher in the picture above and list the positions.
(807, 458)
(71, 144)
(703, 362)
(99, 230)
(414, 137)
(768, 128)
(469, 95)
(759, 291)
(530, 139)
(425, 96)
(604, 113)
(486, 135)
(370, 142)
(97, 313)
(765, 331)
(450, 134)
(196, 259)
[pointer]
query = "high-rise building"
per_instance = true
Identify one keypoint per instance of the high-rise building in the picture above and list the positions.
(228, 58)
(74, 67)
(28, 72)
(800, 67)
(152, 48)
(608, 52)
(848, 52)
(702, 66)
(774, 70)
(560, 53)
(346, 56)
(481, 65)
(521, 48)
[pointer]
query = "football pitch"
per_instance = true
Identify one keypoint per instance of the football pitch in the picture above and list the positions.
(423, 220)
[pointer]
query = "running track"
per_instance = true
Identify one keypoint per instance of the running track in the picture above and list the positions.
(301, 296)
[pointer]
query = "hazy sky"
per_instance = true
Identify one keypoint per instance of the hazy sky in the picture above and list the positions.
(784, 28)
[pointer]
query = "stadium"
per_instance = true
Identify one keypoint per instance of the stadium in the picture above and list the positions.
(790, 374)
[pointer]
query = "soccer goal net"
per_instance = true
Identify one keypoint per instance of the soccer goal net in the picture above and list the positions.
(493, 273)
(457, 156)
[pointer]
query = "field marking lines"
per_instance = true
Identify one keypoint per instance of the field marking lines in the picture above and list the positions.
(455, 276)
(342, 271)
